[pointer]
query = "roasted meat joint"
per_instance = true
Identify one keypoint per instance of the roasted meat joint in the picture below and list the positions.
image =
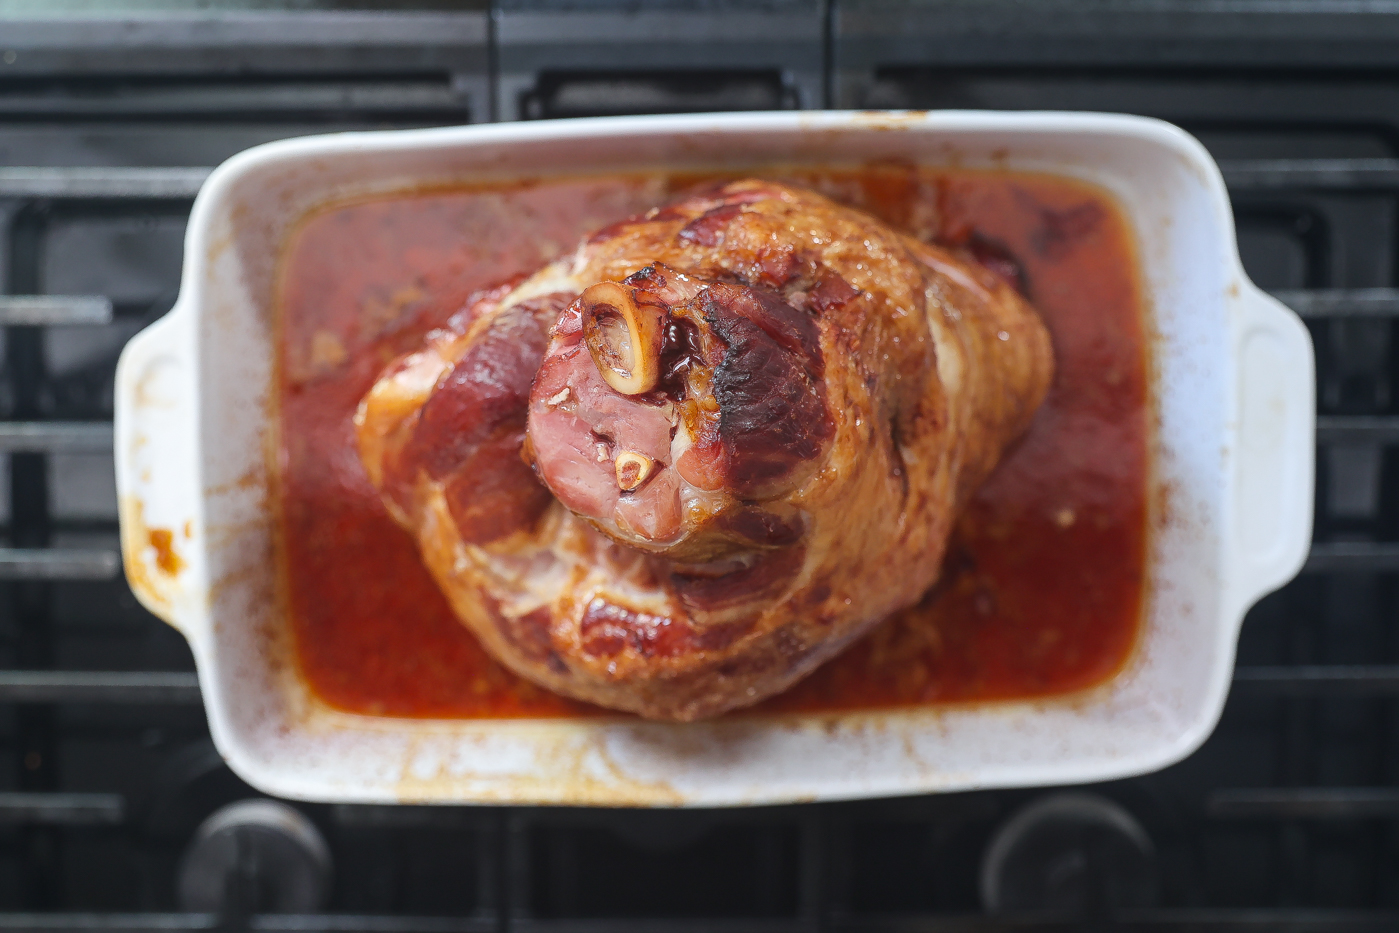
(677, 469)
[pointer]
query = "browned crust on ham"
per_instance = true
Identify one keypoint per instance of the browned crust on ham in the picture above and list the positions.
(847, 388)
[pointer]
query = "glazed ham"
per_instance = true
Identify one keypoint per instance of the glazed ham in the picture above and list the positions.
(679, 468)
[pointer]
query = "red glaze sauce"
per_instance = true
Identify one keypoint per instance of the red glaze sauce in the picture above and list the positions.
(1042, 589)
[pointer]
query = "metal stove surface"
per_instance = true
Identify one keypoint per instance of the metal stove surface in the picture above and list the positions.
(116, 813)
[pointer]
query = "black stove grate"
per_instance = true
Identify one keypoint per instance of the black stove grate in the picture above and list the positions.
(1288, 817)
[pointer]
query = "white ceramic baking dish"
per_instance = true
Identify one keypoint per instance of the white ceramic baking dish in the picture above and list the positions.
(1233, 472)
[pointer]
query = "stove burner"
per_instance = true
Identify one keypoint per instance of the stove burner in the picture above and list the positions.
(1069, 852)
(255, 856)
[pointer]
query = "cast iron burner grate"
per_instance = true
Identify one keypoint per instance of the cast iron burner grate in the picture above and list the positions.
(1287, 819)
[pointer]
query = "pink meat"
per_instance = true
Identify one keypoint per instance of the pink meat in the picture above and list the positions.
(578, 425)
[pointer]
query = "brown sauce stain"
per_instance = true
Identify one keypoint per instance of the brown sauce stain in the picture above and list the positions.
(163, 540)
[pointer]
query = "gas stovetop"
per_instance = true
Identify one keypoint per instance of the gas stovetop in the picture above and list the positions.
(116, 813)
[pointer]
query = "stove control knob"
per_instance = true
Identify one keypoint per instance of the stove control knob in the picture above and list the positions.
(255, 856)
(1073, 853)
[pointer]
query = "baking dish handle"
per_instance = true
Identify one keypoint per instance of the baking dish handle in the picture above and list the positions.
(157, 469)
(1275, 446)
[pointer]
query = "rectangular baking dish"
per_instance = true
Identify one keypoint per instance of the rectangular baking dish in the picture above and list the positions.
(1232, 475)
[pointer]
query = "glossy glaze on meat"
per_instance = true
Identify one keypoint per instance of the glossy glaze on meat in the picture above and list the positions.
(825, 393)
